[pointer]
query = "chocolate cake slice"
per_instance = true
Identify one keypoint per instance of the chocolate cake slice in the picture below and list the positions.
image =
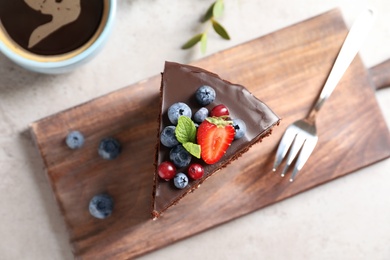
(179, 84)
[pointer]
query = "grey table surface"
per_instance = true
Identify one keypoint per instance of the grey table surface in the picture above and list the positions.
(346, 219)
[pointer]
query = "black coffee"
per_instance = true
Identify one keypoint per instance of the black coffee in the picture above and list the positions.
(51, 27)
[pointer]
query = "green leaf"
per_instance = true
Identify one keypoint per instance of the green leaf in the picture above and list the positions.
(218, 8)
(207, 16)
(185, 130)
(186, 134)
(220, 121)
(218, 28)
(191, 42)
(203, 43)
(193, 149)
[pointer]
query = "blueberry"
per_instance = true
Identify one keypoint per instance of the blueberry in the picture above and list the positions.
(74, 140)
(180, 180)
(101, 206)
(179, 156)
(109, 148)
(201, 115)
(178, 109)
(240, 128)
(205, 95)
(168, 137)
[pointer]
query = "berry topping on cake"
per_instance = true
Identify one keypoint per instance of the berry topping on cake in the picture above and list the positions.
(166, 170)
(168, 137)
(239, 127)
(219, 110)
(195, 171)
(201, 115)
(205, 95)
(208, 141)
(178, 109)
(214, 137)
(179, 156)
(180, 180)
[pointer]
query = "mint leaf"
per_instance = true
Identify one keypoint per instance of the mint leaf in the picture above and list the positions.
(186, 134)
(193, 149)
(185, 130)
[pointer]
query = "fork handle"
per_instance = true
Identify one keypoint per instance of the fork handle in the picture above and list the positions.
(348, 51)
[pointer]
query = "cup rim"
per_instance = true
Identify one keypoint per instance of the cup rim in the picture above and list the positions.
(26, 62)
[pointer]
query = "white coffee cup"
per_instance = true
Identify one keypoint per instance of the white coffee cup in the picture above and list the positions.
(63, 62)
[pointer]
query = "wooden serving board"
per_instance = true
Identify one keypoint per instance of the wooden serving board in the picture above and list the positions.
(285, 69)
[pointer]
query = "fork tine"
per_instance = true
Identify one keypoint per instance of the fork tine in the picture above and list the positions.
(304, 155)
(284, 146)
(296, 146)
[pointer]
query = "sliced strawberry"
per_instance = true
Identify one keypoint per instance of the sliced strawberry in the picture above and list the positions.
(214, 137)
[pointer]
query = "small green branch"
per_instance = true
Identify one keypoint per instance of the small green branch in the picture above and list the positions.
(213, 12)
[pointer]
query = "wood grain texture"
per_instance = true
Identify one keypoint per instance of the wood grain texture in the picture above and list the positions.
(380, 75)
(285, 69)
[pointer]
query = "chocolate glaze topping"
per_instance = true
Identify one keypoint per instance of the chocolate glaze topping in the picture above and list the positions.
(60, 26)
(179, 83)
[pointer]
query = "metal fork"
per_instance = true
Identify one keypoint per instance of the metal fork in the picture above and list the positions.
(301, 136)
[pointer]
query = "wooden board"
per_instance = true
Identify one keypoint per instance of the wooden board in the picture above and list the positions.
(285, 69)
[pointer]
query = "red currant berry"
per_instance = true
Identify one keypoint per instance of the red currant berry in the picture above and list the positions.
(219, 110)
(195, 171)
(166, 170)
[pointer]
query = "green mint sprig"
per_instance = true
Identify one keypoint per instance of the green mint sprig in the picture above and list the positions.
(186, 134)
(214, 12)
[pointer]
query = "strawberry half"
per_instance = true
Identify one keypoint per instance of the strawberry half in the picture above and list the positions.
(215, 134)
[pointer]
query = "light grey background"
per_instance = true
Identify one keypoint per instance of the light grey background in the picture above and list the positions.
(346, 219)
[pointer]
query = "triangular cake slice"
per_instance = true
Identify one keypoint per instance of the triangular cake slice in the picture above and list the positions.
(179, 84)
